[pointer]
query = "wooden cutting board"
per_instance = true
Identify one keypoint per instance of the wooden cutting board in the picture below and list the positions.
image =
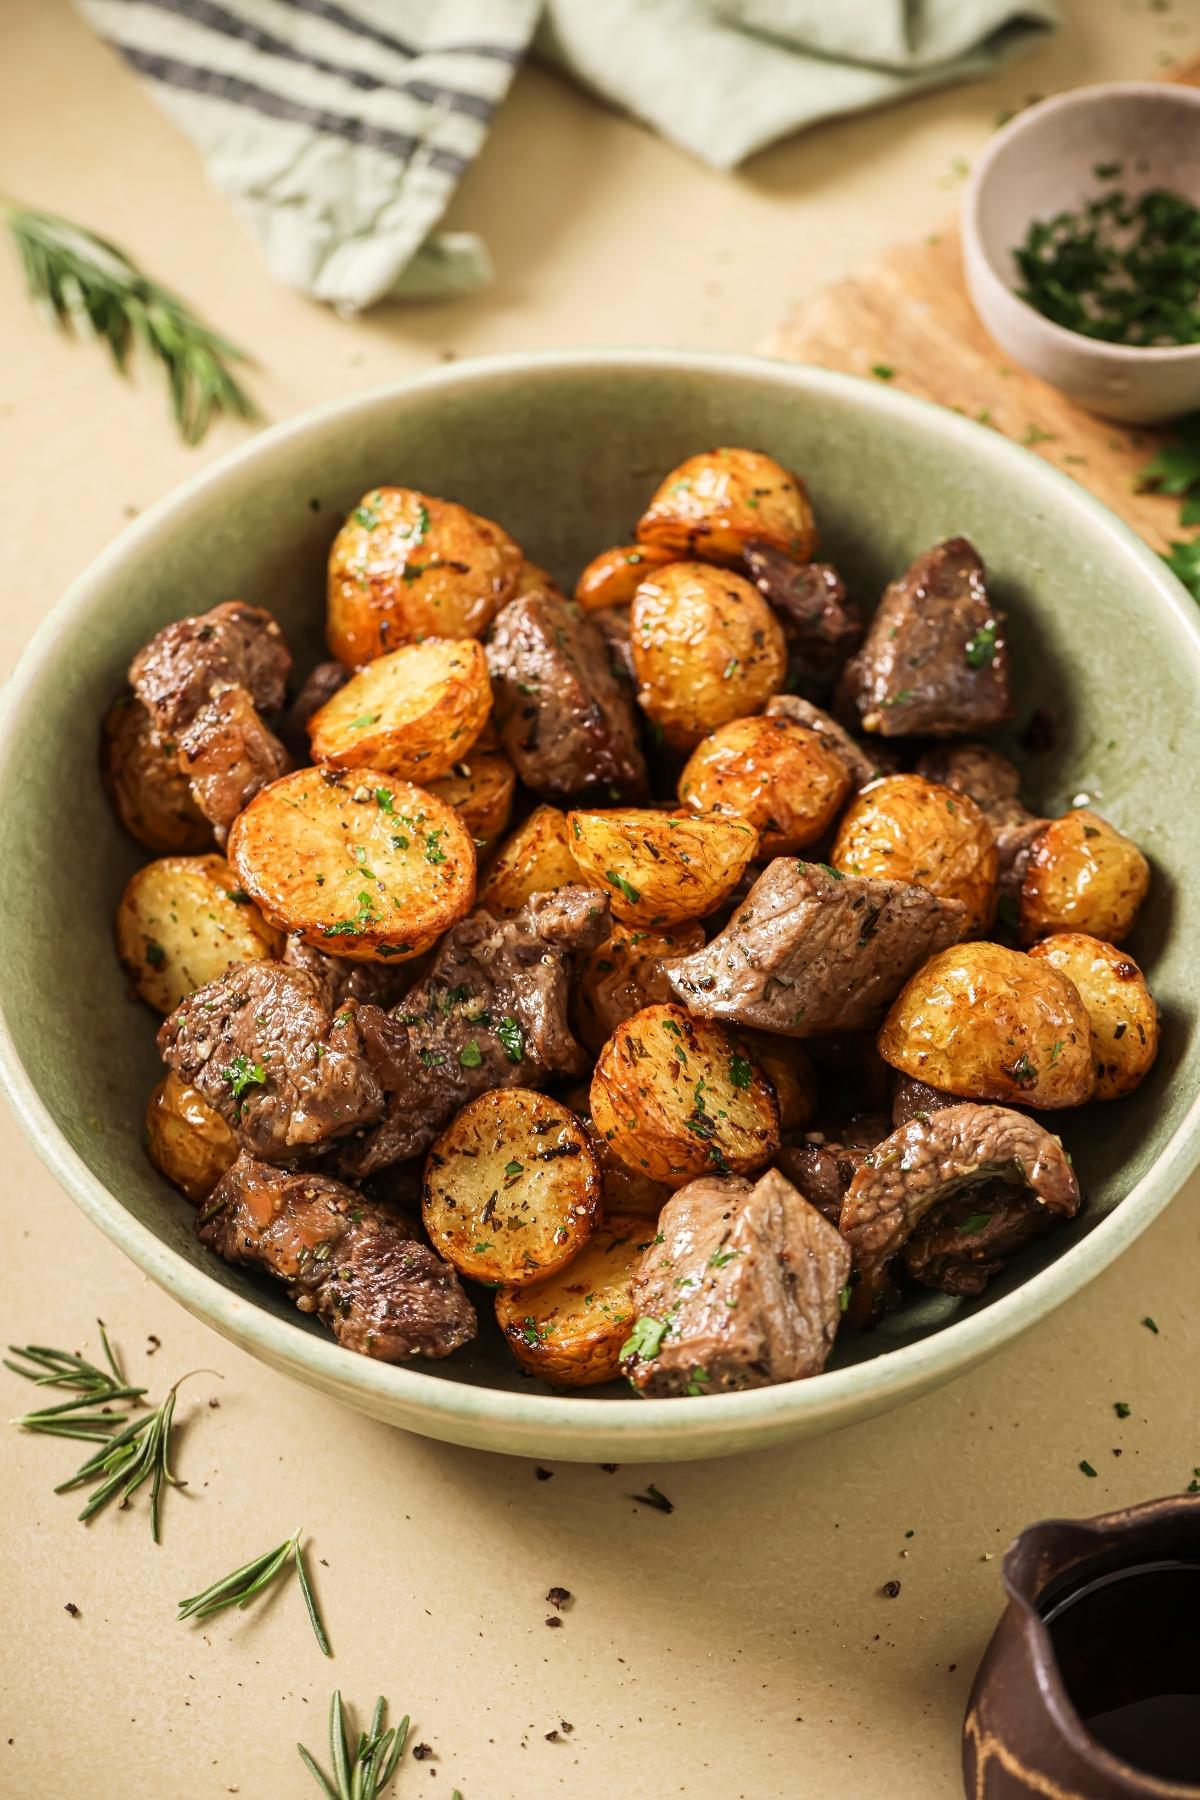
(909, 312)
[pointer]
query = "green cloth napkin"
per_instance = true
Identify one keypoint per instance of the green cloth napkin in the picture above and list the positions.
(341, 128)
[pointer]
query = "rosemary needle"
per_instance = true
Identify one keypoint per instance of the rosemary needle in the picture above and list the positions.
(363, 1773)
(91, 1414)
(137, 1454)
(82, 282)
(244, 1584)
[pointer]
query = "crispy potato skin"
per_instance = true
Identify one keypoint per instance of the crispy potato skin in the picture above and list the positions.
(1124, 1018)
(790, 1071)
(407, 565)
(715, 503)
(1082, 875)
(611, 579)
(678, 1097)
(987, 1023)
(148, 790)
(512, 1188)
(570, 1328)
(536, 859)
(178, 927)
(624, 974)
(661, 870)
(186, 1140)
(480, 789)
(533, 579)
(784, 778)
(706, 649)
(413, 712)
(910, 829)
(361, 863)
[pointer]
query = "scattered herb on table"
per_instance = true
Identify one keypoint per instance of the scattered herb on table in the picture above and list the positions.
(364, 1771)
(652, 1497)
(138, 1453)
(1122, 1409)
(85, 284)
(246, 1583)
(1122, 269)
(1148, 1322)
(91, 1415)
(1175, 470)
(1087, 1468)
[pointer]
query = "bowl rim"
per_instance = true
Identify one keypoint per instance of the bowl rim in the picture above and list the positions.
(1098, 93)
(467, 1411)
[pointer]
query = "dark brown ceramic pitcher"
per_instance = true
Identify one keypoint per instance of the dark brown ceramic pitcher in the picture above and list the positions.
(1022, 1736)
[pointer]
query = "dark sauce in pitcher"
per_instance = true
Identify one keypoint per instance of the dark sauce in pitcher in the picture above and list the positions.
(1128, 1648)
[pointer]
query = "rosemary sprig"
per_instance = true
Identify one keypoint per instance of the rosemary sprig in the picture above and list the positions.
(240, 1588)
(91, 1415)
(139, 1453)
(82, 282)
(363, 1773)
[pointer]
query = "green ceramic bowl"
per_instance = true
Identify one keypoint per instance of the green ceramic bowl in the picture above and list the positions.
(564, 450)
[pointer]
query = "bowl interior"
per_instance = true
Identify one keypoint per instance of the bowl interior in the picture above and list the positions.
(1053, 159)
(564, 450)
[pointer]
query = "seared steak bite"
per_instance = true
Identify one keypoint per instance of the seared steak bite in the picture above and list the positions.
(355, 1263)
(811, 951)
(740, 1289)
(234, 645)
(821, 626)
(864, 762)
(228, 754)
(932, 1160)
(960, 1245)
(935, 660)
(992, 782)
(318, 686)
(345, 978)
(565, 718)
(822, 1164)
(265, 1051)
(491, 1012)
(916, 1100)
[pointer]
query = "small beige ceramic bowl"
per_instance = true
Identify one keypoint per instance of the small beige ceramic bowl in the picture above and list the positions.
(1043, 163)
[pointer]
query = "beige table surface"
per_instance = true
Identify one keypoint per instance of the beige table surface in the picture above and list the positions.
(741, 1646)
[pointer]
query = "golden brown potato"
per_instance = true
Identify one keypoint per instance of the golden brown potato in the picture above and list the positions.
(536, 859)
(569, 1329)
(1124, 1018)
(678, 1097)
(706, 649)
(533, 579)
(987, 1023)
(625, 974)
(186, 1140)
(910, 829)
(626, 1191)
(715, 503)
(406, 566)
(789, 1070)
(481, 792)
(413, 712)
(360, 863)
(184, 920)
(611, 578)
(512, 1188)
(1082, 875)
(784, 778)
(661, 869)
(149, 792)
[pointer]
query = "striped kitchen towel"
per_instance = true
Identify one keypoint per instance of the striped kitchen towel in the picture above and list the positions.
(340, 128)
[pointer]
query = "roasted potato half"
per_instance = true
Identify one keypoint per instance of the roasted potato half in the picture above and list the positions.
(1124, 1018)
(715, 503)
(910, 829)
(184, 920)
(1082, 875)
(784, 778)
(988, 1023)
(406, 566)
(533, 579)
(569, 1329)
(625, 974)
(678, 1097)
(626, 1191)
(186, 1140)
(706, 649)
(660, 869)
(414, 712)
(790, 1071)
(536, 859)
(512, 1188)
(360, 863)
(480, 789)
(149, 793)
(611, 578)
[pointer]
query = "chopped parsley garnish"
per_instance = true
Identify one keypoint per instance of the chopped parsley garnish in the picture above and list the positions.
(981, 646)
(432, 1059)
(365, 719)
(882, 371)
(241, 1074)
(366, 516)
(156, 956)
(843, 1303)
(1122, 1408)
(976, 1222)
(512, 1037)
(514, 1168)
(1148, 1322)
(1024, 1071)
(719, 1258)
(1087, 1468)
(632, 894)
(470, 1056)
(740, 1071)
(646, 1338)
(830, 870)
(433, 852)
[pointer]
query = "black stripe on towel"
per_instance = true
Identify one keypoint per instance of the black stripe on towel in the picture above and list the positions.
(191, 78)
(337, 15)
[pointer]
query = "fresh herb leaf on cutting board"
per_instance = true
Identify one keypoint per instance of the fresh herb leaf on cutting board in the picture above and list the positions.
(1175, 470)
